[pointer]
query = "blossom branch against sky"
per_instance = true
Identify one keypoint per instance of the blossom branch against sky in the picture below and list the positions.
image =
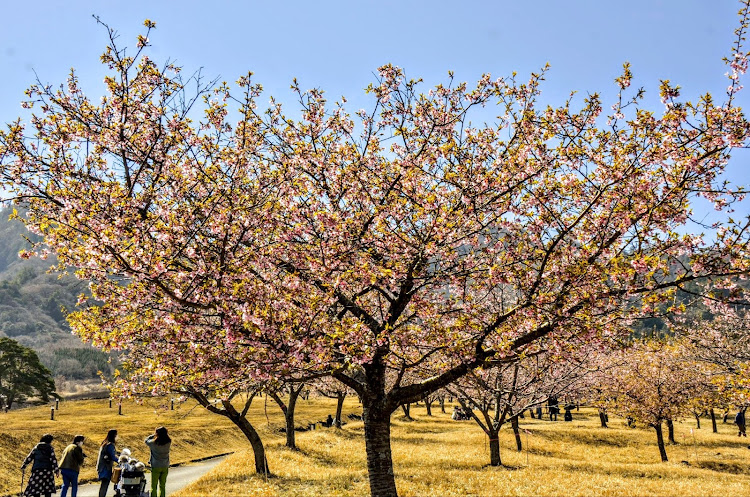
(336, 45)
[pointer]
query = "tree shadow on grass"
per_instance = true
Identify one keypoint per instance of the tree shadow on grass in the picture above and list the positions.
(320, 458)
(416, 440)
(506, 467)
(733, 467)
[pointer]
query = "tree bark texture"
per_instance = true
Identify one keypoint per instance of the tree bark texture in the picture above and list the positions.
(378, 447)
(261, 463)
(289, 416)
(494, 449)
(713, 421)
(239, 420)
(340, 396)
(288, 411)
(516, 432)
(670, 430)
(660, 442)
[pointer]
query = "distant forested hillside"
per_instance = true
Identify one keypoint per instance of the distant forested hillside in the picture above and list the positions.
(31, 308)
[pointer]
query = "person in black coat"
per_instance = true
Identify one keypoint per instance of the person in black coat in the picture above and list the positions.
(569, 411)
(43, 470)
(739, 420)
(554, 408)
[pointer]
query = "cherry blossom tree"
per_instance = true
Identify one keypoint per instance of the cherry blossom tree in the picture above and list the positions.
(333, 389)
(592, 388)
(653, 382)
(158, 370)
(502, 393)
(293, 390)
(364, 245)
(720, 340)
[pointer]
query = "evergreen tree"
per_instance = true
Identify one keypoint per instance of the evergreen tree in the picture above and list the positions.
(22, 375)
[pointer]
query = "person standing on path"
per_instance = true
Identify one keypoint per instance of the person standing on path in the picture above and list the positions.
(107, 456)
(72, 459)
(159, 443)
(44, 469)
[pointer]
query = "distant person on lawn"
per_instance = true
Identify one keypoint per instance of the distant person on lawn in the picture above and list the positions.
(43, 470)
(107, 457)
(554, 408)
(159, 443)
(70, 466)
(739, 420)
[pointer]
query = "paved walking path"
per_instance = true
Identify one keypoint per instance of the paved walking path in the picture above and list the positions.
(179, 477)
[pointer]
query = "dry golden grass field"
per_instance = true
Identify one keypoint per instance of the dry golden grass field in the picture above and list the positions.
(197, 433)
(433, 456)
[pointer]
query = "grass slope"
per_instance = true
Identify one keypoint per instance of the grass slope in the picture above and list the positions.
(433, 456)
(196, 433)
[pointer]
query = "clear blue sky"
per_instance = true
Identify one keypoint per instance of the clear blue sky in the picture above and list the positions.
(337, 45)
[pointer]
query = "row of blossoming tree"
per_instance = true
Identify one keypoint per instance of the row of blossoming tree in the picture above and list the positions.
(227, 252)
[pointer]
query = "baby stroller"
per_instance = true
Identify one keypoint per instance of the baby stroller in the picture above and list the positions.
(132, 477)
(133, 483)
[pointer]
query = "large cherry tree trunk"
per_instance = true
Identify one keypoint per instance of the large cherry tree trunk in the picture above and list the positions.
(377, 421)
(377, 406)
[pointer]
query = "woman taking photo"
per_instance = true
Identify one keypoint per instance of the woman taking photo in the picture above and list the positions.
(44, 469)
(159, 443)
(107, 456)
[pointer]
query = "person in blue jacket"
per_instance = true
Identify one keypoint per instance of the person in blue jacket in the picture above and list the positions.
(107, 457)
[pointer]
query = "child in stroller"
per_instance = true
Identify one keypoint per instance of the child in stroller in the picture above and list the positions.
(132, 477)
